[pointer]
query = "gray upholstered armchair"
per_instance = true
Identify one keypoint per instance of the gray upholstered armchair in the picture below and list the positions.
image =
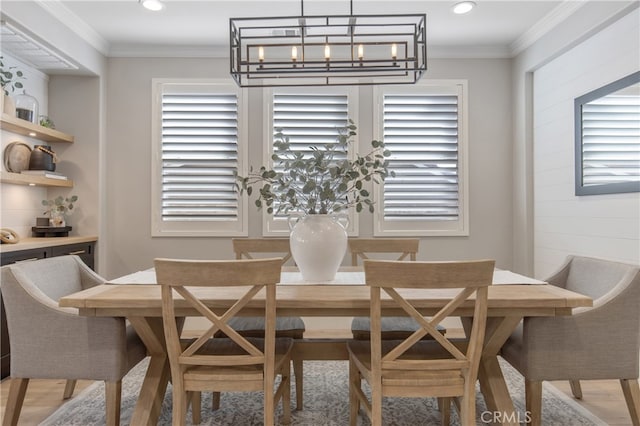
(49, 342)
(601, 342)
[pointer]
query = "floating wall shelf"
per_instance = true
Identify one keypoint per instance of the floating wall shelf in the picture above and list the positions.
(26, 128)
(45, 134)
(20, 179)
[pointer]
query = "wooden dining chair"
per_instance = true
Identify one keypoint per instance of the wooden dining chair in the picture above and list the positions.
(293, 327)
(413, 367)
(233, 362)
(402, 249)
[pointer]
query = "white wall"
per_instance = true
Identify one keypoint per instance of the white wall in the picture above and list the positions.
(605, 226)
(75, 108)
(130, 246)
(585, 22)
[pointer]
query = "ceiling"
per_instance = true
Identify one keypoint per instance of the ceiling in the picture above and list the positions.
(500, 28)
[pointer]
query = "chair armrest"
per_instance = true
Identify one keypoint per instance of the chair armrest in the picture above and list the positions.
(52, 342)
(627, 287)
(579, 346)
(88, 277)
(559, 277)
(18, 289)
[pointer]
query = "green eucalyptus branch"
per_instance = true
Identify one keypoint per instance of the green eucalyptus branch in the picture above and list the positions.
(319, 183)
(9, 78)
(60, 204)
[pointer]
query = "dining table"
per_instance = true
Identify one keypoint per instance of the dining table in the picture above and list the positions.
(512, 297)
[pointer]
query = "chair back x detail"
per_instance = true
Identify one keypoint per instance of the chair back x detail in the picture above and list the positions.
(294, 327)
(391, 249)
(231, 363)
(414, 366)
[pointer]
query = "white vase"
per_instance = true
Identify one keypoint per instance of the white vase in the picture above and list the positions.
(318, 244)
(8, 106)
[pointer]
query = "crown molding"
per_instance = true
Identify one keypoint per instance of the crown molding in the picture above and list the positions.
(550, 21)
(59, 11)
(75, 24)
(468, 52)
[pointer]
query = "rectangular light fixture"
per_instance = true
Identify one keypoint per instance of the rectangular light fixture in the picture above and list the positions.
(330, 50)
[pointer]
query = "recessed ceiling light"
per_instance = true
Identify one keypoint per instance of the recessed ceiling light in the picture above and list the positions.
(463, 7)
(154, 5)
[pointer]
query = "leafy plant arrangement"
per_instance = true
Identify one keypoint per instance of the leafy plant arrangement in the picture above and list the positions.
(45, 121)
(59, 205)
(9, 78)
(318, 184)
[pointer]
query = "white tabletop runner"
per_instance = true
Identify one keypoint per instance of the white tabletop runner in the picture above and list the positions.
(500, 277)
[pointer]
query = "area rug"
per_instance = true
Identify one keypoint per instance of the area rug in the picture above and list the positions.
(326, 403)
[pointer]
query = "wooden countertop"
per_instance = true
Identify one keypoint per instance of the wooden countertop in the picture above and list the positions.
(35, 243)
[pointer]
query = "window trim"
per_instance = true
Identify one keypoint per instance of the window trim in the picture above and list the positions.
(386, 228)
(607, 188)
(280, 227)
(218, 228)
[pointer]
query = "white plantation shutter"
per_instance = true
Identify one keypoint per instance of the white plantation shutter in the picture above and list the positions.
(422, 128)
(199, 134)
(307, 118)
(421, 131)
(611, 140)
(310, 119)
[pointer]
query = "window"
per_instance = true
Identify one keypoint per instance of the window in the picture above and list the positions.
(424, 127)
(307, 116)
(607, 132)
(198, 143)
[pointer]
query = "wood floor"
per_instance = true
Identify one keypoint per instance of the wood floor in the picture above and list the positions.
(602, 397)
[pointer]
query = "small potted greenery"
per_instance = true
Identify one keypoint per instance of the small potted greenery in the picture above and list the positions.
(58, 208)
(312, 189)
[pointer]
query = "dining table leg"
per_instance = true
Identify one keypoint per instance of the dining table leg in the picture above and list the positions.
(492, 383)
(154, 386)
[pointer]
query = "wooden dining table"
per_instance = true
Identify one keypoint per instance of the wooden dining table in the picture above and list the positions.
(137, 298)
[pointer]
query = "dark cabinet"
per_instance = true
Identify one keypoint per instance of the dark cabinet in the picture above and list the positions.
(84, 250)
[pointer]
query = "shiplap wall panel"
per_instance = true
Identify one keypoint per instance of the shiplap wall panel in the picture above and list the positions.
(602, 225)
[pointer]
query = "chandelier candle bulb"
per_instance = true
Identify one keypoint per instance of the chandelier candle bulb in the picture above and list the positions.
(394, 51)
(261, 55)
(294, 53)
(327, 52)
(360, 51)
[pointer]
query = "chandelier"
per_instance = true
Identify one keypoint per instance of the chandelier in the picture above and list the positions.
(328, 50)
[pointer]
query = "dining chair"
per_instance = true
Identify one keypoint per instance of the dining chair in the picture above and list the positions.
(49, 342)
(231, 363)
(403, 249)
(599, 342)
(293, 327)
(413, 367)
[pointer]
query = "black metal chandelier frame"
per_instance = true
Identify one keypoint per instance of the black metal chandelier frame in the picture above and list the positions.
(327, 50)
